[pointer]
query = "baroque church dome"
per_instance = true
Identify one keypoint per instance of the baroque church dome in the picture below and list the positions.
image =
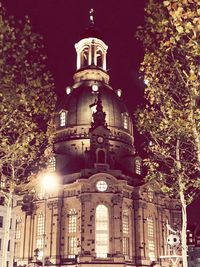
(75, 112)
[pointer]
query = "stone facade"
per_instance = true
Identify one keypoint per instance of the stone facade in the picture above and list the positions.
(102, 214)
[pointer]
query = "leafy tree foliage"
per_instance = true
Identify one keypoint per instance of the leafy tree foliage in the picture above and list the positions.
(171, 117)
(27, 102)
(27, 99)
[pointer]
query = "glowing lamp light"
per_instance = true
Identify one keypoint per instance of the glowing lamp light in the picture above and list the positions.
(95, 88)
(119, 92)
(49, 181)
(68, 90)
(146, 81)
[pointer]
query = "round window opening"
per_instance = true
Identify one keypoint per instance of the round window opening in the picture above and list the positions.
(101, 186)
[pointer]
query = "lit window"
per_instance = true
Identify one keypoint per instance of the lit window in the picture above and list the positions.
(52, 163)
(150, 233)
(40, 231)
(18, 228)
(126, 234)
(137, 166)
(63, 118)
(72, 246)
(72, 229)
(150, 194)
(125, 121)
(101, 231)
(101, 186)
(72, 224)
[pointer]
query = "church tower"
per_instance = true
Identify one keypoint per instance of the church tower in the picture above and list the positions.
(103, 214)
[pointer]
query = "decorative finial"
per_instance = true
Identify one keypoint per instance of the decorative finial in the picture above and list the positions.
(91, 12)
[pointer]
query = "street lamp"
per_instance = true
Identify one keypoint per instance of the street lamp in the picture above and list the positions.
(49, 183)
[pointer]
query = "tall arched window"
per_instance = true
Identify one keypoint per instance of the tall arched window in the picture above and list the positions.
(72, 231)
(101, 231)
(40, 232)
(150, 234)
(99, 58)
(84, 57)
(126, 234)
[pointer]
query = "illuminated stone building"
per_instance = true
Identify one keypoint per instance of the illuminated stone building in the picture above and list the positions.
(102, 214)
(7, 226)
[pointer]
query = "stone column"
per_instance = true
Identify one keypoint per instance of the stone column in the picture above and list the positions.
(116, 224)
(87, 242)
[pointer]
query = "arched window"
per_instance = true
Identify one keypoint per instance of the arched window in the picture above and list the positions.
(63, 118)
(99, 57)
(150, 234)
(72, 229)
(101, 156)
(126, 234)
(40, 233)
(84, 57)
(101, 231)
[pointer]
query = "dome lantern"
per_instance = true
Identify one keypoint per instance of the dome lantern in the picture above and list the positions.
(91, 50)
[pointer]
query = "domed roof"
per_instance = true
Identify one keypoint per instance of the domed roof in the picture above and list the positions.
(80, 102)
(91, 31)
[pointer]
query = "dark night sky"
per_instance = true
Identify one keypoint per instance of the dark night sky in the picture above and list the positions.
(61, 23)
